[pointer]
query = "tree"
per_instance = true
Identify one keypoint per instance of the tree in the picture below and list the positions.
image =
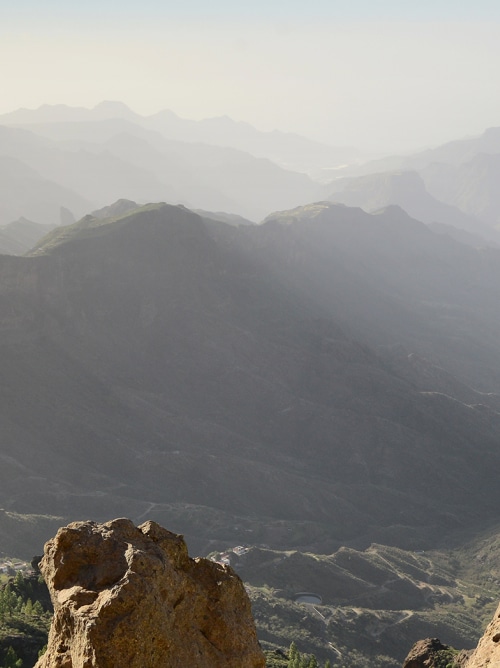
(8, 601)
(293, 653)
(37, 608)
(298, 660)
(11, 660)
(293, 656)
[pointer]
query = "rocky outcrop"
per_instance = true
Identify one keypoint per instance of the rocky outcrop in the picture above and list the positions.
(131, 596)
(487, 652)
(421, 653)
(431, 653)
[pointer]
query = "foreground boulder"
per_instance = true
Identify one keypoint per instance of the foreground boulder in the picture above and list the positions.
(127, 596)
(431, 653)
(422, 653)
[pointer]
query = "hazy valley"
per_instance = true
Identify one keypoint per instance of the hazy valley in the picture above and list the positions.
(322, 387)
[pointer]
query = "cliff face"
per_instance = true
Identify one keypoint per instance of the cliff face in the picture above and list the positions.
(131, 596)
(487, 652)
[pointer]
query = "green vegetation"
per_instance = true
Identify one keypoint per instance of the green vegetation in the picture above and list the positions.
(293, 659)
(373, 600)
(445, 658)
(25, 615)
(11, 660)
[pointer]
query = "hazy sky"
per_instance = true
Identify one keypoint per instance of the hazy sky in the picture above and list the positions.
(371, 73)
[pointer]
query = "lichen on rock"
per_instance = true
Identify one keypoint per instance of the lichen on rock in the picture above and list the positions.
(131, 597)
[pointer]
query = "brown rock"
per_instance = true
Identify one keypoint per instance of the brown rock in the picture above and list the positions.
(429, 653)
(487, 653)
(422, 653)
(130, 597)
(461, 658)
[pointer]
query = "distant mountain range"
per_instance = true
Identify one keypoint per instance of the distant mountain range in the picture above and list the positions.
(18, 237)
(331, 372)
(407, 189)
(82, 159)
(457, 178)
(85, 165)
(25, 193)
(288, 150)
(472, 186)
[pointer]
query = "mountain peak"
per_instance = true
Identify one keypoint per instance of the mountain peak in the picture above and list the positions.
(119, 208)
(113, 109)
(109, 219)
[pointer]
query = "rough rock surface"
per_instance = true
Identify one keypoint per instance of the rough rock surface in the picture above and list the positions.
(422, 652)
(462, 658)
(487, 653)
(127, 596)
(430, 653)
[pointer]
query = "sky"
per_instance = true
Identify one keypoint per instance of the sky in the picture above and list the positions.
(383, 75)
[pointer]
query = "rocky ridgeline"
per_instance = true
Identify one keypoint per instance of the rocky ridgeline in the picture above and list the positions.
(131, 596)
(430, 653)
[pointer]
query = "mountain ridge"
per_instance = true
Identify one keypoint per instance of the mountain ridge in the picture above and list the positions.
(287, 149)
(108, 160)
(262, 373)
(407, 189)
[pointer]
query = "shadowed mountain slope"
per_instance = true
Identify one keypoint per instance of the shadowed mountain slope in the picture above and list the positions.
(471, 186)
(222, 379)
